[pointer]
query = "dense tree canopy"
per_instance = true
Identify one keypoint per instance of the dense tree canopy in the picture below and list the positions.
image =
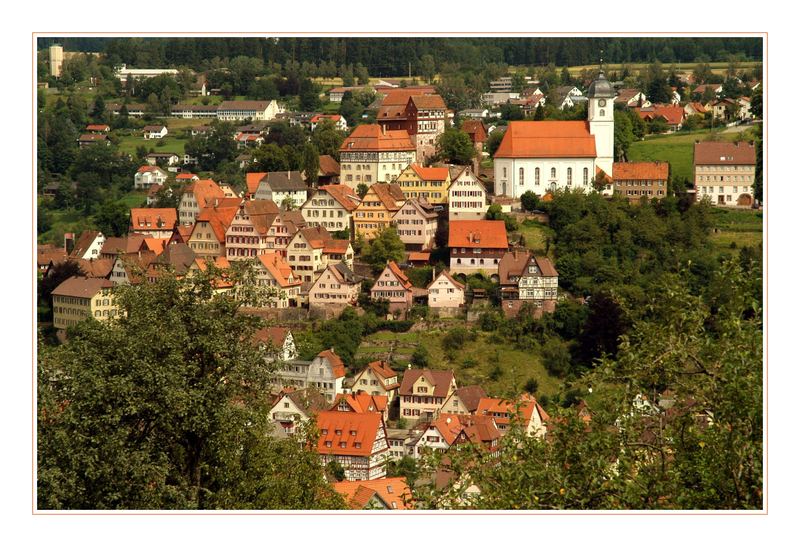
(133, 415)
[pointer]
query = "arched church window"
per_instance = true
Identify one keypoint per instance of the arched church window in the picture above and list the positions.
(585, 176)
(569, 176)
(521, 175)
(552, 172)
(602, 112)
(536, 176)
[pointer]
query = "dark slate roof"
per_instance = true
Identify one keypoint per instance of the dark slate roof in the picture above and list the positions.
(601, 88)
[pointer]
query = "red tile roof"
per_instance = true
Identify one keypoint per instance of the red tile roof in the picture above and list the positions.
(252, 180)
(185, 176)
(205, 190)
(483, 234)
(382, 369)
(336, 362)
(319, 117)
(219, 218)
(398, 273)
(275, 335)
(393, 491)
(374, 137)
(97, 127)
(356, 432)
(547, 139)
(427, 102)
(506, 409)
(440, 379)
(724, 153)
(82, 287)
(390, 194)
(641, 170)
(279, 269)
(153, 219)
(328, 166)
(431, 173)
(344, 195)
(361, 401)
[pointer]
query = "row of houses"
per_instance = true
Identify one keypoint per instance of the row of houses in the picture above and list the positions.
(225, 111)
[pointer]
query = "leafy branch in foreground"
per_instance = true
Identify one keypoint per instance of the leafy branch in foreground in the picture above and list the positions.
(165, 407)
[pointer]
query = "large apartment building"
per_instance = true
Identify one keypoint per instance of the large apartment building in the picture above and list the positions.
(725, 173)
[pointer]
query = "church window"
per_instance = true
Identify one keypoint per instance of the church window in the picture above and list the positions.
(585, 176)
(521, 176)
(552, 172)
(602, 112)
(569, 176)
(536, 176)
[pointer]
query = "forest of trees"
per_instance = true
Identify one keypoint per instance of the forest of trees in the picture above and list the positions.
(391, 56)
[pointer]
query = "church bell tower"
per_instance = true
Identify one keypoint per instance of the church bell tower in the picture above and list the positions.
(601, 120)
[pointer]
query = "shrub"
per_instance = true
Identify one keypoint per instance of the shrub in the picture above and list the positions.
(531, 386)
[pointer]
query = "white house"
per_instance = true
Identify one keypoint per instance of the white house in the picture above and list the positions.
(279, 343)
(281, 186)
(542, 156)
(467, 197)
(324, 373)
(445, 292)
(148, 175)
(155, 131)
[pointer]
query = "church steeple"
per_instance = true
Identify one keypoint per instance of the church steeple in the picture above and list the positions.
(601, 96)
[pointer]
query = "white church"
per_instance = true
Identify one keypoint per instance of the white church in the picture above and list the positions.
(542, 156)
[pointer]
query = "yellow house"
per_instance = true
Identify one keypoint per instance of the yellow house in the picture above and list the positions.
(377, 208)
(430, 183)
(78, 298)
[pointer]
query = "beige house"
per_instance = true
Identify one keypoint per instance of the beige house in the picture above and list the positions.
(294, 408)
(305, 253)
(377, 379)
(374, 154)
(463, 400)
(197, 196)
(530, 414)
(337, 286)
(78, 298)
(253, 230)
(274, 273)
(416, 223)
(208, 235)
(724, 173)
(377, 209)
(423, 392)
(331, 207)
(393, 285)
(445, 292)
(467, 197)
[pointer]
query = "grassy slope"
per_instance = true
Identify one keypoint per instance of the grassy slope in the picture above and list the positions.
(742, 226)
(517, 366)
(676, 148)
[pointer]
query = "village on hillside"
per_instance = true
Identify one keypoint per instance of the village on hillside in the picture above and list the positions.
(436, 266)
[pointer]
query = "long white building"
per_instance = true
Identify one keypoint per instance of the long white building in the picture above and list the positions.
(542, 156)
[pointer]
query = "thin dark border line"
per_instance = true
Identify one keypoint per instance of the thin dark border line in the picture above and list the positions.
(765, 239)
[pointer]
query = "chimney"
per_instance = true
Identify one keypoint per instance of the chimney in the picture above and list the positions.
(69, 242)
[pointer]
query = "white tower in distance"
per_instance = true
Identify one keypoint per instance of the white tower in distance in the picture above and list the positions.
(601, 120)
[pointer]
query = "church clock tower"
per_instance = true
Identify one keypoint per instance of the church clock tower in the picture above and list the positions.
(601, 121)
